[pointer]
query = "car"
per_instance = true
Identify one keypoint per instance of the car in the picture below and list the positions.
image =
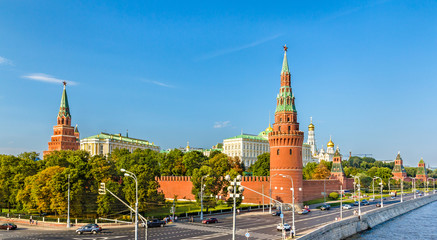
(154, 223)
(286, 227)
(325, 207)
(372, 199)
(303, 211)
(356, 203)
(308, 209)
(347, 206)
(364, 202)
(392, 198)
(8, 226)
(378, 205)
(277, 213)
(420, 194)
(91, 228)
(210, 220)
(383, 198)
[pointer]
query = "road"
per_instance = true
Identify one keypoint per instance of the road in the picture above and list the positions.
(259, 225)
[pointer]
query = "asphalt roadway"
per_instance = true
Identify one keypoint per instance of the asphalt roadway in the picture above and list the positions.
(258, 224)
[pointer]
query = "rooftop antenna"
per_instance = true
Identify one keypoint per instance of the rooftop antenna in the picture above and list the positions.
(127, 132)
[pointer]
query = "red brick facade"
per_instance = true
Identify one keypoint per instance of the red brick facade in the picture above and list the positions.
(64, 137)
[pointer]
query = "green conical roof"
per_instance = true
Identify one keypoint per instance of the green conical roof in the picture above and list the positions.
(64, 109)
(421, 161)
(285, 64)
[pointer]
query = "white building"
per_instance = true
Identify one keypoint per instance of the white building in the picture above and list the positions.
(247, 146)
(322, 154)
(105, 143)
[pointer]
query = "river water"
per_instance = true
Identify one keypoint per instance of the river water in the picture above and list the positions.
(417, 224)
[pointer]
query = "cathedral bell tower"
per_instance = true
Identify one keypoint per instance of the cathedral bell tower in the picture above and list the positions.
(64, 135)
(286, 144)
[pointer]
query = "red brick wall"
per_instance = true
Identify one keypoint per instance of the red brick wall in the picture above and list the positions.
(181, 186)
(255, 183)
(176, 185)
(312, 189)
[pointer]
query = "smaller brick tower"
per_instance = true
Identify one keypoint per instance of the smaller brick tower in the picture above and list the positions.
(64, 136)
(337, 171)
(399, 170)
(421, 171)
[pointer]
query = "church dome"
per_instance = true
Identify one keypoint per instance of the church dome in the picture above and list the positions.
(330, 143)
(269, 129)
(311, 127)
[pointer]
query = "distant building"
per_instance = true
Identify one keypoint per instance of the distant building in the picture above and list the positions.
(421, 171)
(318, 155)
(105, 143)
(206, 152)
(399, 170)
(65, 137)
(247, 146)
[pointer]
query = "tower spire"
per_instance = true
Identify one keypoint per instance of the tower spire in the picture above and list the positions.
(285, 61)
(64, 109)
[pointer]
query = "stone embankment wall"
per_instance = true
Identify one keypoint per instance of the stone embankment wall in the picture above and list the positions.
(351, 226)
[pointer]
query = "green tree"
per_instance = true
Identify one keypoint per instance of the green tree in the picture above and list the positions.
(321, 172)
(333, 195)
(193, 160)
(262, 166)
(308, 170)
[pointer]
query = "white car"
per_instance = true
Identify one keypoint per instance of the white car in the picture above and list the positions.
(303, 211)
(286, 227)
(347, 206)
(371, 200)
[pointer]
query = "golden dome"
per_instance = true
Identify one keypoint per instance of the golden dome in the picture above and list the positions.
(330, 143)
(269, 129)
(311, 127)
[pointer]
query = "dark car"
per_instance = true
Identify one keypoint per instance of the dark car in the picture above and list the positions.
(155, 223)
(356, 203)
(9, 226)
(89, 228)
(210, 220)
(277, 213)
(325, 207)
(365, 202)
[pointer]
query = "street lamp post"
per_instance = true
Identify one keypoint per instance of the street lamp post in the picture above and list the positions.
(201, 196)
(373, 185)
(382, 202)
(402, 190)
(233, 188)
(68, 212)
(133, 176)
(270, 207)
(341, 202)
(414, 187)
(359, 193)
(292, 197)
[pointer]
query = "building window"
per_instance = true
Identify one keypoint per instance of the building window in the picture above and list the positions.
(290, 151)
(279, 128)
(277, 152)
(289, 128)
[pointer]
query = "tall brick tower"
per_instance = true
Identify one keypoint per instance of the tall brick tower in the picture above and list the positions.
(421, 171)
(64, 136)
(286, 144)
(337, 171)
(399, 170)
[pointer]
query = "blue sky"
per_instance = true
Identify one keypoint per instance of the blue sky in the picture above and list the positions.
(172, 71)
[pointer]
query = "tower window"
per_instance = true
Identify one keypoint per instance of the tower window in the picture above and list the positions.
(277, 152)
(279, 128)
(289, 128)
(290, 151)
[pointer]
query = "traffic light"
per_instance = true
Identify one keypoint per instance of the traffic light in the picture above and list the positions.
(102, 189)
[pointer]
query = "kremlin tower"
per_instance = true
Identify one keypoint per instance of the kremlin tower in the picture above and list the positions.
(421, 171)
(65, 137)
(399, 170)
(286, 144)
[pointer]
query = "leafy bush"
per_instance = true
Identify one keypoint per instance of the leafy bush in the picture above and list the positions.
(333, 195)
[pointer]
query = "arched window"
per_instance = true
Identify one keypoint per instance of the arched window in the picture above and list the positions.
(277, 152)
(279, 128)
(62, 121)
(290, 151)
(289, 128)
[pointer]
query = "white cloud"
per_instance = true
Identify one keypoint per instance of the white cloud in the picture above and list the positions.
(47, 78)
(222, 124)
(5, 61)
(159, 83)
(236, 49)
